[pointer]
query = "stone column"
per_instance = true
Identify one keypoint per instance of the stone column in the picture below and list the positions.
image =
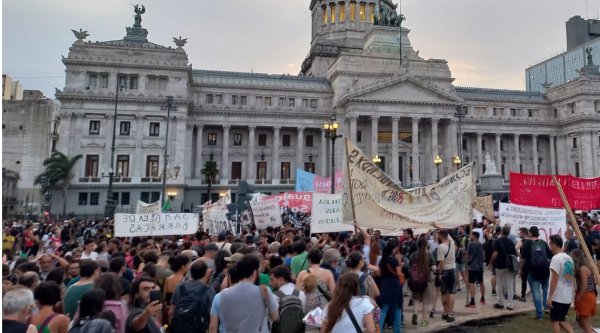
(224, 167)
(534, 146)
(498, 153)
(453, 144)
(299, 149)
(275, 160)
(415, 152)
(480, 161)
(552, 155)
(324, 142)
(374, 143)
(517, 154)
(353, 128)
(447, 155)
(199, 165)
(562, 150)
(586, 154)
(250, 174)
(395, 158)
(595, 160)
(434, 139)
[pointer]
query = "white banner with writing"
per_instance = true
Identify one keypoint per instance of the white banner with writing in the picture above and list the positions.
(148, 208)
(373, 199)
(164, 224)
(266, 214)
(327, 214)
(549, 221)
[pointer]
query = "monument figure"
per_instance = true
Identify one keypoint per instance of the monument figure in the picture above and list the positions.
(139, 10)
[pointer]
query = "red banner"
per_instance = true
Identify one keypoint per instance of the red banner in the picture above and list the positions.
(298, 202)
(540, 191)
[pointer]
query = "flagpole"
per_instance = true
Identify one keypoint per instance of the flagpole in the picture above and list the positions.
(573, 221)
(350, 181)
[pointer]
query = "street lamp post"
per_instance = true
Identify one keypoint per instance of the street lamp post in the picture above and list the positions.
(166, 153)
(437, 161)
(460, 114)
(331, 133)
(377, 160)
(456, 160)
(109, 208)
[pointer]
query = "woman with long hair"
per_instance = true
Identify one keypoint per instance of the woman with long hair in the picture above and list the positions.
(91, 314)
(356, 264)
(111, 284)
(585, 295)
(422, 261)
(179, 265)
(345, 303)
(220, 271)
(391, 297)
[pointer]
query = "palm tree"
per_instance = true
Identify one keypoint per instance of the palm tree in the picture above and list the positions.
(210, 171)
(57, 171)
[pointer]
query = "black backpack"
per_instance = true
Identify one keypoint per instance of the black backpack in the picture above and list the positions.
(291, 313)
(539, 264)
(192, 312)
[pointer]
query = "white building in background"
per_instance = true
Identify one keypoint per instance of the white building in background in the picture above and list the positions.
(261, 127)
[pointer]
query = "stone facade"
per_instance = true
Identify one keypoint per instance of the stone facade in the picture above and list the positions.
(29, 133)
(261, 127)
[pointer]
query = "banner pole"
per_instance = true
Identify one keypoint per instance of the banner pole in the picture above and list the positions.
(583, 244)
(349, 181)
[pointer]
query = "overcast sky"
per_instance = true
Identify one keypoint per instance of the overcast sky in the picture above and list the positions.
(488, 43)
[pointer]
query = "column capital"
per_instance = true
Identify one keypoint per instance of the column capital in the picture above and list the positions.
(396, 118)
(226, 127)
(534, 136)
(276, 128)
(252, 127)
(479, 134)
(435, 120)
(516, 135)
(415, 120)
(374, 117)
(352, 116)
(300, 128)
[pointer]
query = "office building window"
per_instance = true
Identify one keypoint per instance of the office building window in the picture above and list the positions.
(123, 165)
(574, 142)
(129, 81)
(83, 198)
(576, 169)
(212, 139)
(209, 98)
(261, 170)
(243, 100)
(305, 102)
(482, 144)
(124, 128)
(332, 11)
(530, 113)
(262, 140)
(237, 139)
(268, 101)
(308, 141)
(358, 136)
(91, 165)
(309, 167)
(353, 11)
(313, 103)
(152, 166)
(362, 14)
(501, 145)
(94, 198)
(342, 12)
(555, 111)
(259, 101)
(125, 198)
(94, 127)
(285, 170)
(571, 107)
(597, 106)
(97, 80)
(285, 140)
(236, 170)
(465, 146)
(372, 13)
(154, 129)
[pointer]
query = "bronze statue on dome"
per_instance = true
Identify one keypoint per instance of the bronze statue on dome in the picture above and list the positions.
(139, 10)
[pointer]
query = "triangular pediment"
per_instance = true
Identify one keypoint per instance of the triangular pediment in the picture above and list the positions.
(403, 89)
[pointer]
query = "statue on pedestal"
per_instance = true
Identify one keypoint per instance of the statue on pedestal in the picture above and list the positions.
(490, 166)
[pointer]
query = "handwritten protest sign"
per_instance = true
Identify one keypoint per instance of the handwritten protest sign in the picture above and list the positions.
(145, 208)
(266, 214)
(327, 214)
(164, 224)
(549, 221)
(374, 200)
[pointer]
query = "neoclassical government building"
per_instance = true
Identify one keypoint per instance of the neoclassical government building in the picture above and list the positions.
(360, 69)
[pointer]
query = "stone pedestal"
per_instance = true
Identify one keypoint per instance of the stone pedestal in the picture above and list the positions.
(491, 183)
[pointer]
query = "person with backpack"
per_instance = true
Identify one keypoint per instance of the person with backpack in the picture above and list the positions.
(191, 302)
(420, 279)
(503, 248)
(291, 301)
(348, 312)
(536, 257)
(356, 263)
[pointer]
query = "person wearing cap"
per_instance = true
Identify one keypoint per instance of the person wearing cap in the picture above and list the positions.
(233, 259)
(537, 278)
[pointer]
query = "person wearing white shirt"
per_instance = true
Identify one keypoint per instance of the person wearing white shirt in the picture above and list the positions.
(346, 303)
(562, 280)
(88, 250)
(281, 281)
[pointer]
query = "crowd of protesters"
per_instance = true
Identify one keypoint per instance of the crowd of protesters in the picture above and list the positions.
(75, 276)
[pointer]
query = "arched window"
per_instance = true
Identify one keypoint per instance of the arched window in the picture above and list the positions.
(342, 12)
(353, 11)
(362, 13)
(332, 9)
(324, 15)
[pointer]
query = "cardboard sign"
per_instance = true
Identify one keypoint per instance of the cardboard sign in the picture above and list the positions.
(327, 214)
(145, 208)
(549, 221)
(266, 214)
(163, 224)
